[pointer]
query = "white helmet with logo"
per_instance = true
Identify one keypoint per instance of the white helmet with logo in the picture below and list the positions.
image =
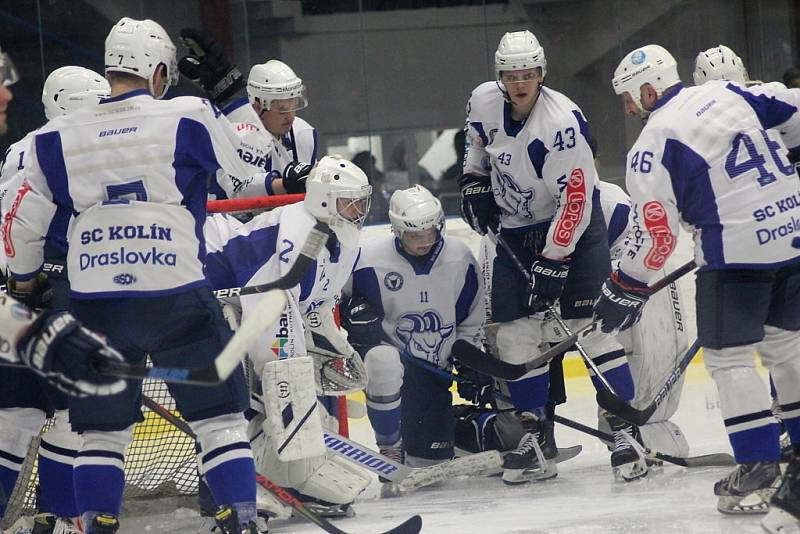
(415, 210)
(519, 51)
(275, 80)
(138, 47)
(338, 193)
(70, 88)
(649, 64)
(719, 63)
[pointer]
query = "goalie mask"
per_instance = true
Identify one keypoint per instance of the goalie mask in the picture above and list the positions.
(71, 88)
(276, 81)
(417, 219)
(649, 64)
(719, 63)
(138, 47)
(338, 193)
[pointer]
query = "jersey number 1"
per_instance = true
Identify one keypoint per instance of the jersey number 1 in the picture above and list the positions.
(423, 297)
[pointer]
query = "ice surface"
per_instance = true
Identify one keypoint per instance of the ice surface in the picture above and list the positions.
(583, 498)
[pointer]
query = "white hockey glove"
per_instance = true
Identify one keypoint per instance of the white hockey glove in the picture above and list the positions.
(339, 368)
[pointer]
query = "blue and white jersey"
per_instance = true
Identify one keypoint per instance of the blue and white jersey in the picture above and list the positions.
(708, 158)
(256, 146)
(427, 304)
(616, 205)
(261, 251)
(11, 178)
(542, 168)
(298, 144)
(126, 181)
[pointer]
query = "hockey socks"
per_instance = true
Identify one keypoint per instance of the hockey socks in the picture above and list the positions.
(614, 366)
(56, 480)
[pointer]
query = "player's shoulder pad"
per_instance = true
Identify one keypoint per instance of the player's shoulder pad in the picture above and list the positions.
(483, 102)
(188, 105)
(376, 249)
(612, 193)
(300, 125)
(456, 250)
(560, 110)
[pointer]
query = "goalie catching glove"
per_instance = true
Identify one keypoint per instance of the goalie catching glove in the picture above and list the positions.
(57, 347)
(339, 368)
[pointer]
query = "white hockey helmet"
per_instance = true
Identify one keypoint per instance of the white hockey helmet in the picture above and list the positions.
(338, 193)
(275, 80)
(519, 51)
(70, 88)
(8, 72)
(138, 47)
(719, 63)
(416, 216)
(649, 64)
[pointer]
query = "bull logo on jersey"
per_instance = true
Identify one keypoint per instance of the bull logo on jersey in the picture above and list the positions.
(423, 335)
(519, 200)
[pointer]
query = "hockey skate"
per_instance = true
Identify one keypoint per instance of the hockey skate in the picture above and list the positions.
(50, 524)
(784, 507)
(534, 457)
(104, 524)
(393, 452)
(228, 522)
(747, 490)
(628, 460)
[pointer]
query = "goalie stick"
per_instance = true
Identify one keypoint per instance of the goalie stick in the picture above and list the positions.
(617, 406)
(488, 364)
(265, 313)
(412, 525)
(704, 460)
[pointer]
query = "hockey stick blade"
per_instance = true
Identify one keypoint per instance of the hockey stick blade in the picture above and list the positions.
(411, 526)
(617, 406)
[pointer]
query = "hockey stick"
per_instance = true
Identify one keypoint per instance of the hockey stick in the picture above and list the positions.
(705, 460)
(265, 313)
(589, 362)
(617, 406)
(411, 526)
(490, 365)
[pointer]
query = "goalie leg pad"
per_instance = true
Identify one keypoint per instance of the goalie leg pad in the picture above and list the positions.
(666, 437)
(336, 481)
(290, 404)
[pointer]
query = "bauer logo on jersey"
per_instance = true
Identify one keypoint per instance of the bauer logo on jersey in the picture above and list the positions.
(423, 335)
(657, 225)
(282, 345)
(393, 281)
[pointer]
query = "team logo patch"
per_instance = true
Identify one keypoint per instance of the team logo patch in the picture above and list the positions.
(283, 389)
(657, 225)
(423, 335)
(393, 281)
(519, 200)
(571, 216)
(124, 279)
(638, 57)
(314, 320)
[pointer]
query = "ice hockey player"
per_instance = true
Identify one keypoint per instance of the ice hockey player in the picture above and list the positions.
(26, 398)
(529, 170)
(304, 348)
(277, 94)
(137, 251)
(412, 295)
(207, 65)
(651, 346)
(729, 181)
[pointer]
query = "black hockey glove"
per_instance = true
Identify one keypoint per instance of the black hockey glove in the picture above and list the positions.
(208, 66)
(474, 387)
(478, 207)
(294, 177)
(363, 324)
(547, 282)
(39, 298)
(620, 305)
(60, 349)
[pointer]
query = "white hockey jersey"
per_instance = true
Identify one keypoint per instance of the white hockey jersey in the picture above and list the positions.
(133, 174)
(426, 304)
(299, 144)
(542, 169)
(709, 159)
(11, 178)
(616, 205)
(261, 251)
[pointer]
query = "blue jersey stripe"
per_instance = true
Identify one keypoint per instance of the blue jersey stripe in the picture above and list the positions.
(467, 296)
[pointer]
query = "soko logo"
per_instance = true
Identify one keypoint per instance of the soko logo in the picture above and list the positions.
(575, 196)
(657, 225)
